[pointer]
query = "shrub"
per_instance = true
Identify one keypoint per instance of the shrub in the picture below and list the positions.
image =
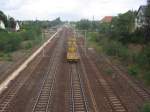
(146, 52)
(112, 48)
(141, 59)
(115, 48)
(146, 108)
(93, 36)
(133, 70)
(31, 32)
(109, 71)
(147, 77)
(124, 53)
(9, 41)
(5, 56)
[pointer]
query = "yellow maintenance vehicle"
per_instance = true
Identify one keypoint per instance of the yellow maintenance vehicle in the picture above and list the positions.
(72, 51)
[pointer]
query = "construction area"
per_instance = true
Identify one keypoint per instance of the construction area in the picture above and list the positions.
(54, 79)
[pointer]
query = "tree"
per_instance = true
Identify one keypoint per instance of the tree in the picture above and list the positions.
(84, 24)
(105, 28)
(3, 17)
(123, 25)
(12, 22)
(147, 20)
(55, 22)
(148, 1)
(95, 25)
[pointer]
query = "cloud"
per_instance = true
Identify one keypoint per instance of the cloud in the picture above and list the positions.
(67, 9)
(11, 4)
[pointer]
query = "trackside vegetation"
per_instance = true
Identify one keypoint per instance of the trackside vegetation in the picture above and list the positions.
(146, 107)
(120, 40)
(24, 39)
(29, 36)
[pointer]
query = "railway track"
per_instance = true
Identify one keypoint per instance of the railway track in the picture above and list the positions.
(79, 86)
(141, 91)
(47, 89)
(7, 98)
(112, 98)
(133, 90)
(44, 99)
(78, 98)
(14, 90)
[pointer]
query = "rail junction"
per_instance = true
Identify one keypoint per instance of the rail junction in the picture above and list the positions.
(52, 84)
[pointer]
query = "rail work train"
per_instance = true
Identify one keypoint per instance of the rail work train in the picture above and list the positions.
(72, 51)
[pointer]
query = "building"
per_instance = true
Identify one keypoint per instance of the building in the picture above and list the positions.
(106, 19)
(2, 25)
(140, 18)
(17, 28)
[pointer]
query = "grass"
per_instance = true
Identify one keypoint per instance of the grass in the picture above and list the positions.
(5, 57)
(133, 70)
(27, 38)
(137, 63)
(92, 42)
(146, 107)
(109, 71)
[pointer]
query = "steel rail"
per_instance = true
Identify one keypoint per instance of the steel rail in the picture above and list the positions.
(78, 98)
(44, 97)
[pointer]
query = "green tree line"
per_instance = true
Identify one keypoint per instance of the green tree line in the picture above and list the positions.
(29, 35)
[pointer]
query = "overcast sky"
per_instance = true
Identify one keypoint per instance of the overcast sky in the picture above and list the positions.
(67, 9)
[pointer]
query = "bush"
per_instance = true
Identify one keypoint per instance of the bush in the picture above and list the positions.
(141, 59)
(112, 48)
(109, 71)
(147, 77)
(9, 41)
(93, 36)
(124, 53)
(146, 108)
(133, 70)
(146, 52)
(115, 48)
(5, 56)
(31, 32)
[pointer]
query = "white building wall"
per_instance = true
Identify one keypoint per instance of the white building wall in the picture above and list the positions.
(2, 25)
(17, 27)
(140, 19)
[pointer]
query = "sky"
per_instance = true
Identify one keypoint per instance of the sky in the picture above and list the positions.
(71, 10)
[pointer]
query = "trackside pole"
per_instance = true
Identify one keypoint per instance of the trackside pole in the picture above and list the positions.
(85, 40)
(43, 41)
(85, 43)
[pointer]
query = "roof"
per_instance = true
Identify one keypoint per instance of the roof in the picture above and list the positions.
(107, 19)
(142, 7)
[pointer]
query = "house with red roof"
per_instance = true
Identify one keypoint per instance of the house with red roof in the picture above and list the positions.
(106, 19)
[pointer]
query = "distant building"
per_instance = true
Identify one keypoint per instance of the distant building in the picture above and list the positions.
(140, 18)
(2, 25)
(17, 28)
(106, 19)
